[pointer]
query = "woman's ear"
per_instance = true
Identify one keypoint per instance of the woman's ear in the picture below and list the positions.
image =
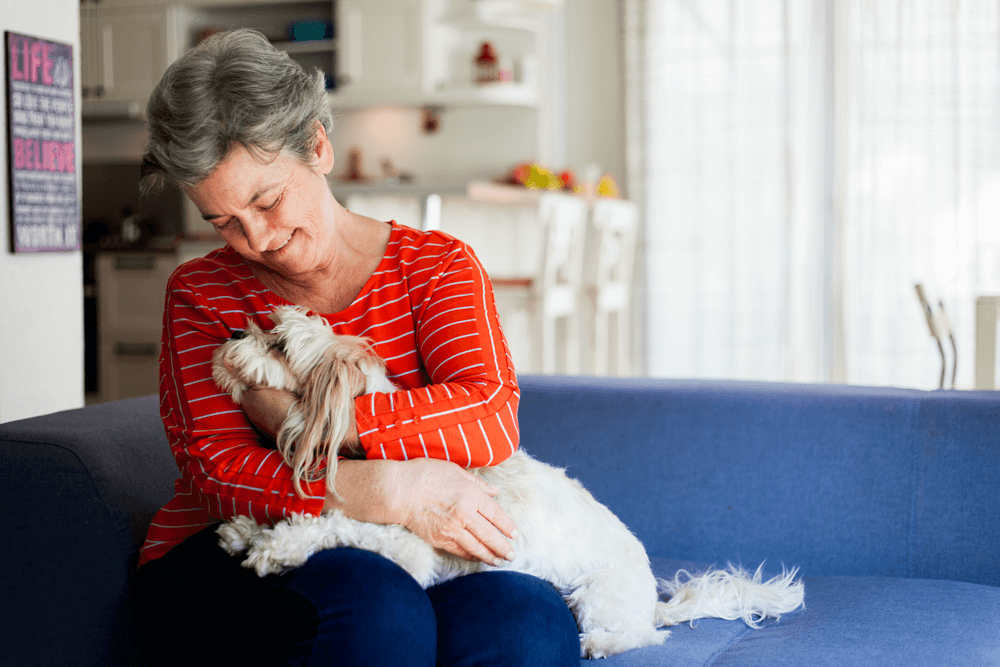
(323, 151)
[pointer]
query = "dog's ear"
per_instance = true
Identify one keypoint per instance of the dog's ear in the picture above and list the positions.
(326, 408)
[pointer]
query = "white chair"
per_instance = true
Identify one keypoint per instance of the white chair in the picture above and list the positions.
(554, 296)
(405, 209)
(611, 246)
(532, 247)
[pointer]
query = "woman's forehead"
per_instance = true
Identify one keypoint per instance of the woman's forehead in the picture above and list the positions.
(242, 178)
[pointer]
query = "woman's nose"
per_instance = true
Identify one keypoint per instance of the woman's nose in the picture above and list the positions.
(258, 233)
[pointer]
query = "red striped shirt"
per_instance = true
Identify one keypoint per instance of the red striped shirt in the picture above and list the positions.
(430, 312)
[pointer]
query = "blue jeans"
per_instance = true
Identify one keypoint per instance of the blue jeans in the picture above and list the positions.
(345, 607)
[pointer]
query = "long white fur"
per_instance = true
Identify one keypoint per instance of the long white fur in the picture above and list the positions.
(565, 536)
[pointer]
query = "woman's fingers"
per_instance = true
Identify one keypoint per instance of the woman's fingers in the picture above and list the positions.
(453, 510)
(491, 510)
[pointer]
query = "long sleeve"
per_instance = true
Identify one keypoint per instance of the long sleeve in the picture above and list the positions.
(450, 355)
(226, 469)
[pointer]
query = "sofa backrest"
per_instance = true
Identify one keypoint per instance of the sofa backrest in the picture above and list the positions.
(834, 479)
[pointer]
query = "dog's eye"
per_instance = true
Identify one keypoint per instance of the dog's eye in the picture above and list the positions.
(239, 334)
(278, 344)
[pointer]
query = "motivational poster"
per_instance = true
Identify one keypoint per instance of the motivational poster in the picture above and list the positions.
(41, 141)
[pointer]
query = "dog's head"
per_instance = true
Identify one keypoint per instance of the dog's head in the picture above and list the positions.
(332, 370)
(310, 346)
(303, 355)
(251, 357)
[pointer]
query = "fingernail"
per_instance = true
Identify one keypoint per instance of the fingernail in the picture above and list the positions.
(514, 535)
(510, 556)
(497, 562)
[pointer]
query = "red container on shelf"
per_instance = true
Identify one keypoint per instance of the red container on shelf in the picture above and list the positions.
(487, 65)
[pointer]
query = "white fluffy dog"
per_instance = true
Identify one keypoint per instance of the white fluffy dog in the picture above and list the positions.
(565, 536)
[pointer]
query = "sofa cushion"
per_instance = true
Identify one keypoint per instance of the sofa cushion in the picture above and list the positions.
(847, 621)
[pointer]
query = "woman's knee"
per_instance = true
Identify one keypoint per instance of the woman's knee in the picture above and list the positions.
(370, 611)
(527, 618)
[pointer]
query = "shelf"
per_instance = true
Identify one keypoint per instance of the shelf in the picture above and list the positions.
(474, 23)
(494, 95)
(307, 46)
(376, 186)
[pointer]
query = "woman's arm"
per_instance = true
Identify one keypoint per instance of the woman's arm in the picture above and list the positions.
(224, 461)
(450, 508)
(435, 324)
(447, 506)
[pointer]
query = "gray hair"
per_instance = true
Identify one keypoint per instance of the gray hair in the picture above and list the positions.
(233, 89)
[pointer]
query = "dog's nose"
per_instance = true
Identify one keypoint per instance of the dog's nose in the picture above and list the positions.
(239, 334)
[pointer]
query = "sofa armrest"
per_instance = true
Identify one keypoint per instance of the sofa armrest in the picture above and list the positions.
(81, 488)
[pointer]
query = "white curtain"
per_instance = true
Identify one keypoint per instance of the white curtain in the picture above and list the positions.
(922, 199)
(801, 164)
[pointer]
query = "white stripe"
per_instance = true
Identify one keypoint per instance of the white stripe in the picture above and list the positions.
(399, 356)
(257, 471)
(450, 340)
(503, 428)
(468, 453)
(187, 525)
(383, 324)
(205, 398)
(447, 454)
(215, 414)
(482, 429)
(462, 370)
(424, 323)
(200, 347)
(203, 363)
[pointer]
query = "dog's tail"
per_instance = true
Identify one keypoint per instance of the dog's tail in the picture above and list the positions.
(729, 594)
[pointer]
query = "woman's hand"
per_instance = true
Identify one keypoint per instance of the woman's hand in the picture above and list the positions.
(447, 506)
(454, 510)
(267, 408)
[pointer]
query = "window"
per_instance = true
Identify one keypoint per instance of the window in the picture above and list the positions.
(802, 164)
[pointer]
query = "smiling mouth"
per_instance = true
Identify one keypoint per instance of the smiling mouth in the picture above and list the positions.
(283, 244)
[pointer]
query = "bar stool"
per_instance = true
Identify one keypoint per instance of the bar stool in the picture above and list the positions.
(611, 244)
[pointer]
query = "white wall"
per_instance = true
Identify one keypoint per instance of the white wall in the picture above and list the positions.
(595, 89)
(41, 295)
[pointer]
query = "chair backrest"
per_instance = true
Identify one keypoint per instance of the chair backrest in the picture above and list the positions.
(404, 209)
(564, 221)
(611, 250)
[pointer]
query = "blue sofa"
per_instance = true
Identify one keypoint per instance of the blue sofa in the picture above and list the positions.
(888, 500)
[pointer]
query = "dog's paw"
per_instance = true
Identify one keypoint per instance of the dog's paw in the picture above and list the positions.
(237, 536)
(599, 643)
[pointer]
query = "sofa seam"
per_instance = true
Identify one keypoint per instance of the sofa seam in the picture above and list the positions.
(725, 649)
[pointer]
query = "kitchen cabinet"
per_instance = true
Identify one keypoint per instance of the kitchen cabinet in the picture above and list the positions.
(130, 291)
(381, 45)
(420, 53)
(124, 52)
(382, 52)
(272, 19)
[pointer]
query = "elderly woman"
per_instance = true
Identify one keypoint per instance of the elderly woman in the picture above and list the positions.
(245, 132)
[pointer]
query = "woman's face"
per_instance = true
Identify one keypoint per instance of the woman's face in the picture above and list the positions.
(279, 214)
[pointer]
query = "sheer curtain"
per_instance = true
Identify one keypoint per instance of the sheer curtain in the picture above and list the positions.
(801, 164)
(922, 199)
